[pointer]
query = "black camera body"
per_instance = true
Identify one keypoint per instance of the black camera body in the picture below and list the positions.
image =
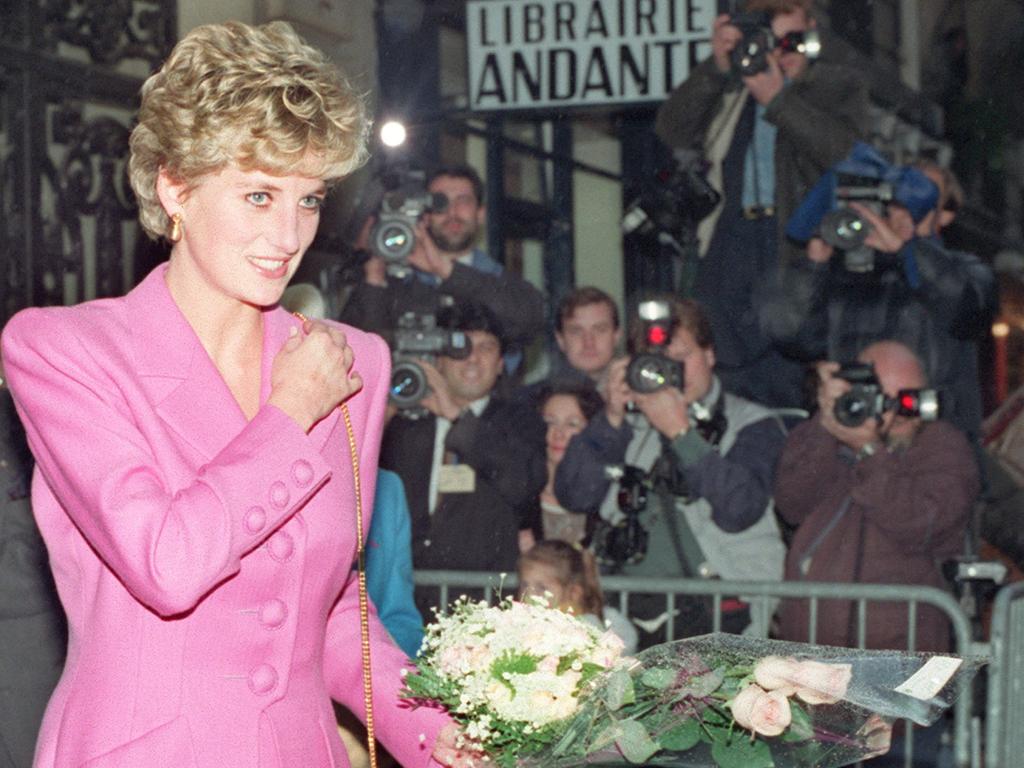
(674, 203)
(416, 338)
(626, 542)
(650, 370)
(750, 56)
(845, 229)
(394, 234)
(866, 400)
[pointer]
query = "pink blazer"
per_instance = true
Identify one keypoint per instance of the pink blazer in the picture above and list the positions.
(204, 561)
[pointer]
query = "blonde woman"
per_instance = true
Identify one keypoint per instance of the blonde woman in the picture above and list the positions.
(195, 487)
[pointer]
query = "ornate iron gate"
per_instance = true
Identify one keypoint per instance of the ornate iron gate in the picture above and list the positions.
(70, 72)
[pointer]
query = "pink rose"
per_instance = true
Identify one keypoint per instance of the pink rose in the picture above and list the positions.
(761, 711)
(775, 673)
(876, 735)
(820, 683)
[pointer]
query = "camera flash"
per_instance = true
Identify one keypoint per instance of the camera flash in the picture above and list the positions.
(392, 133)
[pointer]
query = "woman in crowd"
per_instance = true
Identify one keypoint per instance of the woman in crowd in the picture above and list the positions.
(566, 409)
(566, 575)
(196, 490)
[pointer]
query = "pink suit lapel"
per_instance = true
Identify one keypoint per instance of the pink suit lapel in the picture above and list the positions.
(183, 383)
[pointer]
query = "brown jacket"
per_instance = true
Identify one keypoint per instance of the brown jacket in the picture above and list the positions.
(907, 514)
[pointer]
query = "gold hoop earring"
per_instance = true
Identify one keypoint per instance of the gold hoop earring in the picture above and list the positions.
(175, 234)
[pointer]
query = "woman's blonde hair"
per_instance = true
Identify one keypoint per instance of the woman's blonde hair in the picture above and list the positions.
(256, 96)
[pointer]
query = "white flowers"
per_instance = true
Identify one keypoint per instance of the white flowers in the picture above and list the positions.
(518, 663)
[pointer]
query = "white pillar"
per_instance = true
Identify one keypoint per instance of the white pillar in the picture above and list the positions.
(910, 43)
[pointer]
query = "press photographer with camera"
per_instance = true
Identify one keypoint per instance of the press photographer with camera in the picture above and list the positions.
(679, 470)
(885, 500)
(879, 492)
(875, 268)
(474, 466)
(767, 120)
(435, 255)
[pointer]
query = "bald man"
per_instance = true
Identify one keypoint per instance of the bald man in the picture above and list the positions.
(886, 502)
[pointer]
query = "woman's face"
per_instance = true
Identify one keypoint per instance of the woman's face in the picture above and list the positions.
(244, 232)
(564, 418)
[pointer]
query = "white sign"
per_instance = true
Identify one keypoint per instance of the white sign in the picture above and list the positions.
(525, 54)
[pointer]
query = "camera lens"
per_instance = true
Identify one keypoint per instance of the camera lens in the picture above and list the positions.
(649, 373)
(844, 229)
(408, 384)
(856, 406)
(393, 239)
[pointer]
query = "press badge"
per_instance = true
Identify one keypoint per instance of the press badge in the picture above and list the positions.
(456, 478)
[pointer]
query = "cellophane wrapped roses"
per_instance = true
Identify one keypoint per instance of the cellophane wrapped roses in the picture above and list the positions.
(536, 688)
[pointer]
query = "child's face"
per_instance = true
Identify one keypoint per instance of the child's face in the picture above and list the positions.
(540, 580)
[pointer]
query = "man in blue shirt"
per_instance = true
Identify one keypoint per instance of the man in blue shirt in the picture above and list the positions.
(767, 138)
(446, 263)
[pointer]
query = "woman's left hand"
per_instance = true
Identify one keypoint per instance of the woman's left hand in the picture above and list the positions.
(454, 749)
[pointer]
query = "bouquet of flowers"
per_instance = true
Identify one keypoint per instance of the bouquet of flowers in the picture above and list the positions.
(538, 687)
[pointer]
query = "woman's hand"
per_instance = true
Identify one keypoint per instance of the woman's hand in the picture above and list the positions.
(454, 749)
(312, 374)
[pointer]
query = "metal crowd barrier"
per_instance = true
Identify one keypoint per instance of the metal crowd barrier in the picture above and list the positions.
(1004, 737)
(966, 747)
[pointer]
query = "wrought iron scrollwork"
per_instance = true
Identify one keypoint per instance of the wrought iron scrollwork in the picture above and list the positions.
(110, 30)
(69, 79)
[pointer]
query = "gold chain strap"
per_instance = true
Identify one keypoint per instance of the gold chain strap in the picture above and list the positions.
(364, 603)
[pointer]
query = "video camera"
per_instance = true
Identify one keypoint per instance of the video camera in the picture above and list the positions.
(750, 56)
(650, 370)
(394, 235)
(865, 398)
(677, 200)
(866, 177)
(843, 227)
(416, 338)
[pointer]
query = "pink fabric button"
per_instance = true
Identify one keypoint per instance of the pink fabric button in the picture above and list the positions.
(302, 473)
(279, 495)
(262, 679)
(281, 546)
(273, 613)
(255, 519)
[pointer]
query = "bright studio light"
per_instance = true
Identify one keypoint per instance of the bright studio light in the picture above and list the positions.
(1000, 330)
(392, 133)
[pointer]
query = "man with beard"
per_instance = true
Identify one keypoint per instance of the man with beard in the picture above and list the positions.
(446, 263)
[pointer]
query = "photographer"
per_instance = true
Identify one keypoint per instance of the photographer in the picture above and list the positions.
(883, 502)
(767, 136)
(910, 288)
(707, 457)
(473, 467)
(445, 261)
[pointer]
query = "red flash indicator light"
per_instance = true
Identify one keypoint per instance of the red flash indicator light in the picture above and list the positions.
(657, 336)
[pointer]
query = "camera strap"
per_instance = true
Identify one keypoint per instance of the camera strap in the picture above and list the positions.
(804, 563)
(688, 550)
